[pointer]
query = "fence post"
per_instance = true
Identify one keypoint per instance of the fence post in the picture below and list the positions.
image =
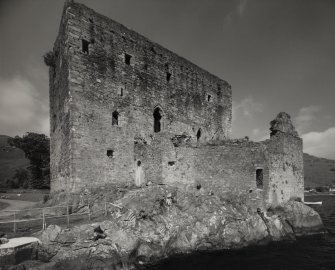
(14, 222)
(105, 208)
(68, 215)
(89, 212)
(43, 214)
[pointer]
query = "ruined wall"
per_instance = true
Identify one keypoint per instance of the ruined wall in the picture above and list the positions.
(230, 167)
(285, 167)
(113, 69)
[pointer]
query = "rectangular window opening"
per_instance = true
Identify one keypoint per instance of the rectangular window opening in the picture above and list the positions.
(85, 46)
(209, 97)
(259, 178)
(110, 153)
(168, 76)
(171, 163)
(127, 58)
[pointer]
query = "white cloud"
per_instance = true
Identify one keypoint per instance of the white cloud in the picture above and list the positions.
(305, 117)
(237, 12)
(22, 108)
(321, 144)
(246, 108)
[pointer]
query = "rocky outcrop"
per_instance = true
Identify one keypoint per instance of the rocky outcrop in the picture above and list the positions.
(157, 222)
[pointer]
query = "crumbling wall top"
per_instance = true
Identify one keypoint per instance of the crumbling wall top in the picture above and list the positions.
(283, 124)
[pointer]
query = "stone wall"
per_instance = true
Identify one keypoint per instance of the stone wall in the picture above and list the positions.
(113, 69)
(107, 81)
(286, 168)
(60, 113)
(227, 168)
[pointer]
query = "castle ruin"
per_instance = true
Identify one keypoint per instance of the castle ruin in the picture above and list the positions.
(126, 111)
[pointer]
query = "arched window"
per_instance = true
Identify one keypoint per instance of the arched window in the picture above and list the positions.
(157, 119)
(198, 134)
(115, 118)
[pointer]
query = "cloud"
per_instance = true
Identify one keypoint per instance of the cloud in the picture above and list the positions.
(246, 108)
(237, 12)
(22, 108)
(241, 7)
(321, 144)
(305, 117)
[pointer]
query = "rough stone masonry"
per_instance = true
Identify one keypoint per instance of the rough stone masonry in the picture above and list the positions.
(126, 111)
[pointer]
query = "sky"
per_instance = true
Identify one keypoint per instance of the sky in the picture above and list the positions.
(278, 55)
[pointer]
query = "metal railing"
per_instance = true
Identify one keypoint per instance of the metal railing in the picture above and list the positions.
(50, 215)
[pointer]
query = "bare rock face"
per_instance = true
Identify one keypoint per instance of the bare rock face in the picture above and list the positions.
(283, 123)
(156, 222)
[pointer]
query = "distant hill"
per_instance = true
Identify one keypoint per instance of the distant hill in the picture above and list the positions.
(318, 171)
(11, 158)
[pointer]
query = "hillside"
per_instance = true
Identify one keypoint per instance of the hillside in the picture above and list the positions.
(318, 171)
(11, 158)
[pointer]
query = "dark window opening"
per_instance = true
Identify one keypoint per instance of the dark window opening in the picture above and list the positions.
(157, 119)
(171, 163)
(259, 178)
(85, 44)
(139, 163)
(115, 118)
(198, 134)
(168, 76)
(127, 58)
(110, 153)
(121, 92)
(198, 186)
(209, 97)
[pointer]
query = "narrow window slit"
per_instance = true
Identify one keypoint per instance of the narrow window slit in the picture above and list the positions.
(85, 46)
(259, 178)
(127, 58)
(115, 118)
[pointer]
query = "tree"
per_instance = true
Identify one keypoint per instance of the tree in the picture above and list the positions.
(36, 149)
(21, 178)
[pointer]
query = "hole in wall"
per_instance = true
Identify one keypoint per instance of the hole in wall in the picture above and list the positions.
(110, 153)
(259, 178)
(115, 118)
(198, 186)
(139, 163)
(199, 134)
(157, 119)
(91, 21)
(171, 163)
(85, 46)
(168, 76)
(127, 58)
(209, 98)
(121, 91)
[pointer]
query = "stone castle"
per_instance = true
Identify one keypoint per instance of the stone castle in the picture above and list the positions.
(126, 111)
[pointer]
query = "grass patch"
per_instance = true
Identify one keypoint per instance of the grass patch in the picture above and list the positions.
(3, 205)
(31, 196)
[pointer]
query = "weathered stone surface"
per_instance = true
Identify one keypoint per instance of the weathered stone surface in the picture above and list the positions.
(283, 124)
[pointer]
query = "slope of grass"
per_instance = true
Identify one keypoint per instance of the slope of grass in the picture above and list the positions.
(318, 171)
